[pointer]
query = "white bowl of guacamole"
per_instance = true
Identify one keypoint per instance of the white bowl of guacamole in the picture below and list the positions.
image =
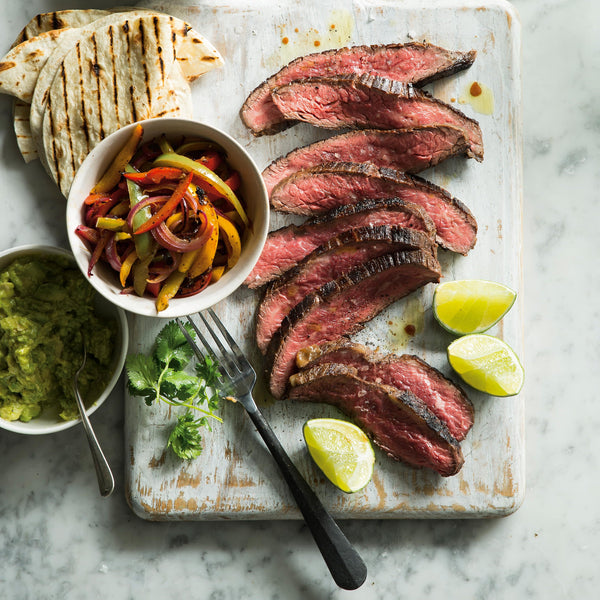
(46, 308)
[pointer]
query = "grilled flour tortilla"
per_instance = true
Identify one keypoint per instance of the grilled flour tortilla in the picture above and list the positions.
(58, 19)
(19, 69)
(122, 71)
(96, 73)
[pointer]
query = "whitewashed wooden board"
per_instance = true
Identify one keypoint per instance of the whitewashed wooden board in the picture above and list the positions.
(235, 477)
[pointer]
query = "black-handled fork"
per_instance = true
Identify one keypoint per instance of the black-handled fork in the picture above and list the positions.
(238, 378)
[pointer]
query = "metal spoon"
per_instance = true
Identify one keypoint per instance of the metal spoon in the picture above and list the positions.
(106, 481)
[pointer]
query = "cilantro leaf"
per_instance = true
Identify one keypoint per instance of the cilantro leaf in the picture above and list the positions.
(161, 376)
(142, 373)
(171, 346)
(185, 439)
(179, 385)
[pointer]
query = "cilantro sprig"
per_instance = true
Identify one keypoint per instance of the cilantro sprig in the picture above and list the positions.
(163, 376)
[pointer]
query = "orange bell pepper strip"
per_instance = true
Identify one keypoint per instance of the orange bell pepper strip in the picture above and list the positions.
(168, 207)
(113, 174)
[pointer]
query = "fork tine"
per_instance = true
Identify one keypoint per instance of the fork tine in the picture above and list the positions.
(232, 343)
(196, 348)
(190, 340)
(224, 361)
(226, 354)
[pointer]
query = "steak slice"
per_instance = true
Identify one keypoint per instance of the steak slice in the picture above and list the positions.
(337, 256)
(398, 422)
(323, 188)
(409, 150)
(407, 373)
(342, 306)
(413, 62)
(370, 101)
(286, 247)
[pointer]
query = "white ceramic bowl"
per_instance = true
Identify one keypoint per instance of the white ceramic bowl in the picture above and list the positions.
(49, 421)
(105, 279)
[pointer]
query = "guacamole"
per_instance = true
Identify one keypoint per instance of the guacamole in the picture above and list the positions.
(46, 306)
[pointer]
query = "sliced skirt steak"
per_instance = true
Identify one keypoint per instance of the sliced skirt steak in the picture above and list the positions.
(341, 307)
(337, 256)
(413, 62)
(405, 372)
(408, 150)
(286, 247)
(319, 189)
(398, 422)
(370, 101)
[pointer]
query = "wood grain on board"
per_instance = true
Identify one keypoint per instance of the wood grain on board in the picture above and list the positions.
(235, 477)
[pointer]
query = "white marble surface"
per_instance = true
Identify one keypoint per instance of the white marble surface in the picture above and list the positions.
(59, 539)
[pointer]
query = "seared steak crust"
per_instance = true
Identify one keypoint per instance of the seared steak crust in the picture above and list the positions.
(323, 188)
(409, 150)
(342, 306)
(370, 101)
(406, 373)
(328, 262)
(398, 422)
(413, 62)
(287, 246)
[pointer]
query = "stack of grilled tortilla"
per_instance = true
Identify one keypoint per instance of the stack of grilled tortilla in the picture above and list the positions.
(79, 75)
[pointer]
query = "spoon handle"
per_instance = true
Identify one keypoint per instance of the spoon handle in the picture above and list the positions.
(106, 481)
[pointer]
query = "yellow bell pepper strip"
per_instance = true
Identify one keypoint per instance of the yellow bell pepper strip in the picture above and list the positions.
(110, 223)
(174, 220)
(164, 145)
(169, 288)
(168, 207)
(206, 254)
(126, 267)
(121, 236)
(120, 209)
(217, 273)
(204, 175)
(195, 146)
(232, 240)
(187, 260)
(140, 274)
(144, 242)
(113, 174)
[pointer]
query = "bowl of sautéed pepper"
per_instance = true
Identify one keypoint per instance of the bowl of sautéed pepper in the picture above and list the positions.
(167, 216)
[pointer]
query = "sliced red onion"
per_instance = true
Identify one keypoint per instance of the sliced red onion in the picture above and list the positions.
(87, 234)
(167, 239)
(111, 253)
(142, 204)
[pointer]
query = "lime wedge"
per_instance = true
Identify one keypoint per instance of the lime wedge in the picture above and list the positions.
(471, 305)
(342, 451)
(487, 363)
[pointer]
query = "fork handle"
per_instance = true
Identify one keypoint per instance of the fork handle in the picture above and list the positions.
(345, 564)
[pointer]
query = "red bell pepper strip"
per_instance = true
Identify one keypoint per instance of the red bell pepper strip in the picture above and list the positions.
(191, 287)
(234, 181)
(168, 207)
(97, 253)
(211, 160)
(154, 176)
